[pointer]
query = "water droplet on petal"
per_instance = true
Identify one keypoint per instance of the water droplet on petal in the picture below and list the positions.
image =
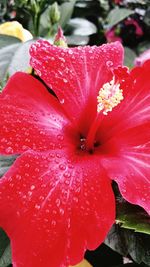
(67, 175)
(53, 223)
(9, 150)
(32, 187)
(65, 80)
(62, 101)
(37, 206)
(61, 211)
(62, 167)
(58, 202)
(109, 63)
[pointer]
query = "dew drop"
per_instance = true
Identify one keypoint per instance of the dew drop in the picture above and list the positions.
(9, 150)
(60, 137)
(65, 80)
(58, 202)
(32, 187)
(18, 177)
(27, 165)
(37, 206)
(62, 101)
(76, 199)
(70, 52)
(109, 63)
(61, 211)
(53, 223)
(67, 175)
(62, 167)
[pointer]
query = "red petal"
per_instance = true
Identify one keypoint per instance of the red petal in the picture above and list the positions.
(134, 110)
(76, 74)
(29, 116)
(130, 165)
(59, 206)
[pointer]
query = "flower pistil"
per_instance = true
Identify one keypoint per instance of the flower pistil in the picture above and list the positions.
(110, 95)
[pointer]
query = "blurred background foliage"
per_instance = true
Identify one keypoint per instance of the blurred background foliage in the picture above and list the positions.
(91, 22)
(84, 21)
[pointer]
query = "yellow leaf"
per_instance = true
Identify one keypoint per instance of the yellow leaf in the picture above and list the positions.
(83, 263)
(14, 28)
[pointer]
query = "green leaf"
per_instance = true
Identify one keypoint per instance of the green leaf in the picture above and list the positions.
(127, 242)
(5, 163)
(129, 57)
(66, 10)
(6, 55)
(5, 260)
(133, 217)
(6, 40)
(4, 242)
(13, 57)
(5, 253)
(8, 47)
(21, 58)
(82, 27)
(118, 14)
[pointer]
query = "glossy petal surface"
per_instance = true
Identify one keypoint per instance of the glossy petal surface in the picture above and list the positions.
(134, 110)
(129, 165)
(51, 199)
(30, 117)
(76, 74)
(126, 139)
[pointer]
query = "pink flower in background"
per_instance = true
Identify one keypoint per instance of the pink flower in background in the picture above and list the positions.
(111, 36)
(56, 200)
(138, 29)
(118, 1)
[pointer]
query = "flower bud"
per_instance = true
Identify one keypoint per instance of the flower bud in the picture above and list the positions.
(54, 13)
(60, 39)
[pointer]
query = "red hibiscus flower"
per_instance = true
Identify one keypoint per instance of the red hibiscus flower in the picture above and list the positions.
(57, 196)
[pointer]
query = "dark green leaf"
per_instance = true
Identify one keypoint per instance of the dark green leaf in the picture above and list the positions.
(133, 217)
(127, 242)
(4, 242)
(5, 260)
(118, 14)
(5, 163)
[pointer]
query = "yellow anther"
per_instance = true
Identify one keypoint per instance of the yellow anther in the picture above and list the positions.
(110, 95)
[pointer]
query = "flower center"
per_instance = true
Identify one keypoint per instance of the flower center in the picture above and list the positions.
(109, 96)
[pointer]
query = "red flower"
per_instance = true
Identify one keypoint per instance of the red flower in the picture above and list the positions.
(56, 200)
